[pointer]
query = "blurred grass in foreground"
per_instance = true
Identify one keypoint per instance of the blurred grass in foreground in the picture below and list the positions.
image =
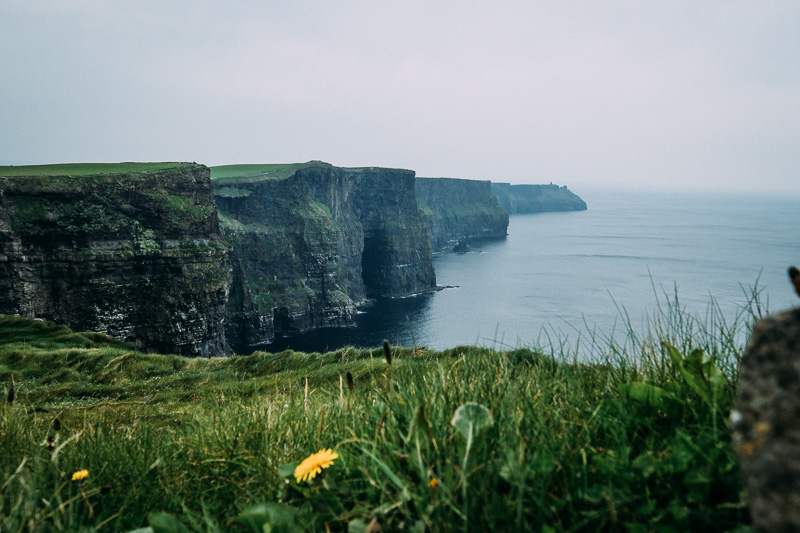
(635, 441)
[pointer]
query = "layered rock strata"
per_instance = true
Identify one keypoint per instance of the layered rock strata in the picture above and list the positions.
(536, 198)
(132, 250)
(311, 242)
(459, 210)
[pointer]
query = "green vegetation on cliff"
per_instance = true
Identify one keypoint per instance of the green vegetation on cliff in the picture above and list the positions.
(131, 249)
(86, 169)
(311, 241)
(237, 174)
(539, 440)
(457, 209)
(85, 197)
(536, 198)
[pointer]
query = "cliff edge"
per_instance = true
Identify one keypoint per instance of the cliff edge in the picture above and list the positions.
(130, 249)
(459, 209)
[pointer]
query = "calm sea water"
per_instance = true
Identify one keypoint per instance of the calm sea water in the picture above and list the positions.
(563, 275)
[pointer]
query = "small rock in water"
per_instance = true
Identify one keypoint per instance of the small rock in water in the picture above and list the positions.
(766, 422)
(461, 247)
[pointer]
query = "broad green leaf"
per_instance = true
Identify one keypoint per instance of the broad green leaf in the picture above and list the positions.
(269, 516)
(635, 528)
(356, 526)
(287, 469)
(165, 523)
(676, 389)
(674, 355)
(471, 418)
(507, 472)
(648, 394)
(702, 376)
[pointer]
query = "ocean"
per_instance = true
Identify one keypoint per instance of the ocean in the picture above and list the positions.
(558, 278)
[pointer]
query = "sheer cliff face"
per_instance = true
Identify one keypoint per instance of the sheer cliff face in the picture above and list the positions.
(137, 255)
(310, 246)
(457, 209)
(536, 198)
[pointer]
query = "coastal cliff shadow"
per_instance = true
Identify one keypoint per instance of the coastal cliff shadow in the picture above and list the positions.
(401, 321)
(373, 260)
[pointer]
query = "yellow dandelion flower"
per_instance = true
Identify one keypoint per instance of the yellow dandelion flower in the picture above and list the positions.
(313, 464)
(80, 475)
(433, 483)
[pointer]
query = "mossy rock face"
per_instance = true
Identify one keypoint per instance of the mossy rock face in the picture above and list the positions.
(460, 210)
(311, 241)
(133, 250)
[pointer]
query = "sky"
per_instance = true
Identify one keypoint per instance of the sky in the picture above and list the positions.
(648, 95)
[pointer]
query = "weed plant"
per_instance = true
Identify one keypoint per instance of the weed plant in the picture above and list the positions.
(466, 439)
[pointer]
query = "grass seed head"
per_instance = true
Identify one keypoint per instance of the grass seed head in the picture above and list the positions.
(387, 352)
(794, 276)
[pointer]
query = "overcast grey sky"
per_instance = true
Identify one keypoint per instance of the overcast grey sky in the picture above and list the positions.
(605, 93)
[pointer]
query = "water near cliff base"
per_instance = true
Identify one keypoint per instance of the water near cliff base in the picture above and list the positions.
(559, 275)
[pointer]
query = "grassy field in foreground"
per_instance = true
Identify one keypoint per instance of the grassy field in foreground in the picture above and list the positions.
(469, 439)
(84, 169)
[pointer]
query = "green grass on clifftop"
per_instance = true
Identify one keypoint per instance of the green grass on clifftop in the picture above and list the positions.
(541, 442)
(232, 174)
(86, 169)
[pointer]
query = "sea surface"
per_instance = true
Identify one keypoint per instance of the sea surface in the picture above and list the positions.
(558, 278)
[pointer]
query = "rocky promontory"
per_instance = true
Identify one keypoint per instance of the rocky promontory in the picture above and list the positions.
(459, 210)
(130, 249)
(518, 199)
(311, 242)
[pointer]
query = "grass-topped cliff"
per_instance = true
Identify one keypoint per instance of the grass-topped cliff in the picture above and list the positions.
(240, 174)
(458, 209)
(311, 241)
(469, 439)
(536, 198)
(86, 169)
(131, 249)
(231, 174)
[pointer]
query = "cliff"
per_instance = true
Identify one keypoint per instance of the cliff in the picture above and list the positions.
(457, 209)
(132, 250)
(312, 241)
(536, 198)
